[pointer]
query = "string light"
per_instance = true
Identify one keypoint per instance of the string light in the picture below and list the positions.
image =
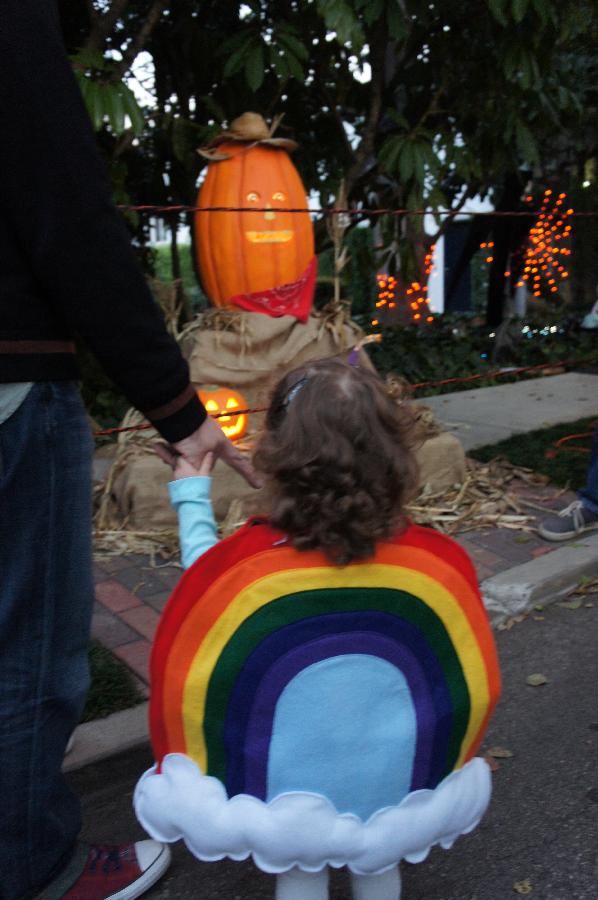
(543, 255)
(414, 301)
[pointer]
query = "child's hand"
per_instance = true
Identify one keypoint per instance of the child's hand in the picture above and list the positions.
(181, 467)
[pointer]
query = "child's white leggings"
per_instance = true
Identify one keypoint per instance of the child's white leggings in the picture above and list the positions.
(298, 885)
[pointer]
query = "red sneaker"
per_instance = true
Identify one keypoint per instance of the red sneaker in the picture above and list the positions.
(120, 873)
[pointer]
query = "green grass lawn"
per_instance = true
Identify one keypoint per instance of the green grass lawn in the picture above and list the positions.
(113, 687)
(566, 468)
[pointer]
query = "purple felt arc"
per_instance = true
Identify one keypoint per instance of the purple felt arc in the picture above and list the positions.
(259, 729)
(243, 754)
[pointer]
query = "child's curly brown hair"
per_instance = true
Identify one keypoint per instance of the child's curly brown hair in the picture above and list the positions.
(337, 455)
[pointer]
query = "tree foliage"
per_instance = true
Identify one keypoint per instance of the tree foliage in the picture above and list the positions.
(413, 103)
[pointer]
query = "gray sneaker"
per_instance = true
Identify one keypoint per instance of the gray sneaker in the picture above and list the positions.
(570, 522)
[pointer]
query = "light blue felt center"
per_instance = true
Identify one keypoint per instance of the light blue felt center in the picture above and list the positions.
(345, 727)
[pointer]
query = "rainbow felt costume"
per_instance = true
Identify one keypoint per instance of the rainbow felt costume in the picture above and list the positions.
(308, 714)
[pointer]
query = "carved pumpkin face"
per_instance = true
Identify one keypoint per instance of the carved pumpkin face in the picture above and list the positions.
(247, 252)
(225, 400)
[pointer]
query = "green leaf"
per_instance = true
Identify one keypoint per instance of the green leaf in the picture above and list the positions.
(295, 67)
(526, 145)
(497, 9)
(92, 94)
(519, 9)
(279, 61)
(235, 62)
(419, 162)
(390, 152)
(254, 68)
(114, 107)
(542, 10)
(372, 10)
(88, 59)
(132, 109)
(406, 162)
(237, 41)
(398, 27)
(400, 120)
(341, 18)
(512, 61)
(295, 46)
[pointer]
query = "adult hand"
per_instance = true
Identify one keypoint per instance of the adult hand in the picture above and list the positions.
(181, 467)
(210, 438)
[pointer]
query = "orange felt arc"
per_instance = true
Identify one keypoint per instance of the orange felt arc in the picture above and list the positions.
(247, 252)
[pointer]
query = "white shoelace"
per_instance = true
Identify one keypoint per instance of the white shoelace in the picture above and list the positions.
(574, 511)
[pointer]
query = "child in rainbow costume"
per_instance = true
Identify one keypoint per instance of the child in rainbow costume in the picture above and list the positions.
(322, 679)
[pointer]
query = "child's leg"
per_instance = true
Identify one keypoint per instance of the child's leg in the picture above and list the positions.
(386, 886)
(298, 885)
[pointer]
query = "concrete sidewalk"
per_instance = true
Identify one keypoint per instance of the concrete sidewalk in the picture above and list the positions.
(491, 414)
(514, 568)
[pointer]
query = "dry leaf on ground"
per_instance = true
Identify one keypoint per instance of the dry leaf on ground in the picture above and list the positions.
(573, 603)
(499, 753)
(514, 620)
(492, 764)
(536, 679)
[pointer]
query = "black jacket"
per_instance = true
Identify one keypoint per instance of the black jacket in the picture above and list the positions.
(66, 263)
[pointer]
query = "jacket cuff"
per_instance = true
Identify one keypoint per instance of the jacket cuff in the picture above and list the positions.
(179, 418)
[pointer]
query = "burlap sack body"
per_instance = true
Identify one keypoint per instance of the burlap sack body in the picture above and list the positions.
(251, 355)
(254, 353)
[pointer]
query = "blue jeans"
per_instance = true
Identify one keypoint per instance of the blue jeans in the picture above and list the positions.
(589, 494)
(46, 596)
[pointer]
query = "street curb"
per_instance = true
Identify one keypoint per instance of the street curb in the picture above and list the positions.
(97, 740)
(540, 581)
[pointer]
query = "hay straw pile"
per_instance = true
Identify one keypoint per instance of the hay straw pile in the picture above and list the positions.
(482, 501)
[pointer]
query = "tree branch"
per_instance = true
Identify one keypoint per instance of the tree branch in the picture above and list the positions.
(102, 26)
(92, 12)
(138, 42)
(366, 145)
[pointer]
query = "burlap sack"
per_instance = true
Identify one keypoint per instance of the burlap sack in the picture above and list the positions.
(140, 493)
(441, 460)
(250, 352)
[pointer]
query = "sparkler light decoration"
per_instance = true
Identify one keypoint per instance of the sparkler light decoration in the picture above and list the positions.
(415, 300)
(543, 257)
(545, 254)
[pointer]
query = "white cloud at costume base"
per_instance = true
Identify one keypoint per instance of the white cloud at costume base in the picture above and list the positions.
(303, 829)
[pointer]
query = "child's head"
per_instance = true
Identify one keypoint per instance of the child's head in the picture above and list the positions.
(337, 455)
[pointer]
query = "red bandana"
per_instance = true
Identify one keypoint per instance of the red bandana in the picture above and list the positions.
(293, 299)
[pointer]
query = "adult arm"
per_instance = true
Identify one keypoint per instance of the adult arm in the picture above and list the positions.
(57, 199)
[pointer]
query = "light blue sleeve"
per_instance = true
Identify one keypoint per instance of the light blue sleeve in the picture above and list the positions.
(197, 527)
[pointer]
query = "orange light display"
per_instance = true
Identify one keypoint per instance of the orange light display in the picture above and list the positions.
(414, 300)
(543, 262)
(218, 400)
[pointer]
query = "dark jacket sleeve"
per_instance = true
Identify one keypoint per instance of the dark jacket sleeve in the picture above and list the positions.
(57, 198)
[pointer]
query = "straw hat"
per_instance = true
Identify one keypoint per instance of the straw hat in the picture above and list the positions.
(250, 128)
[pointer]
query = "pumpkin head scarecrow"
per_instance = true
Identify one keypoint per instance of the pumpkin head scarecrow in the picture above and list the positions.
(260, 261)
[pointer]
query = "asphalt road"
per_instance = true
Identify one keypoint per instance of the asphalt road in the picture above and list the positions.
(542, 826)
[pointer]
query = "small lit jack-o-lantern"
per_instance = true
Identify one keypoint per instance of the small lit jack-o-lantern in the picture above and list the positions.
(224, 400)
(242, 256)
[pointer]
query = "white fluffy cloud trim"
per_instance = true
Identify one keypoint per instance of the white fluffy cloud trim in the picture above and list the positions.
(304, 829)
